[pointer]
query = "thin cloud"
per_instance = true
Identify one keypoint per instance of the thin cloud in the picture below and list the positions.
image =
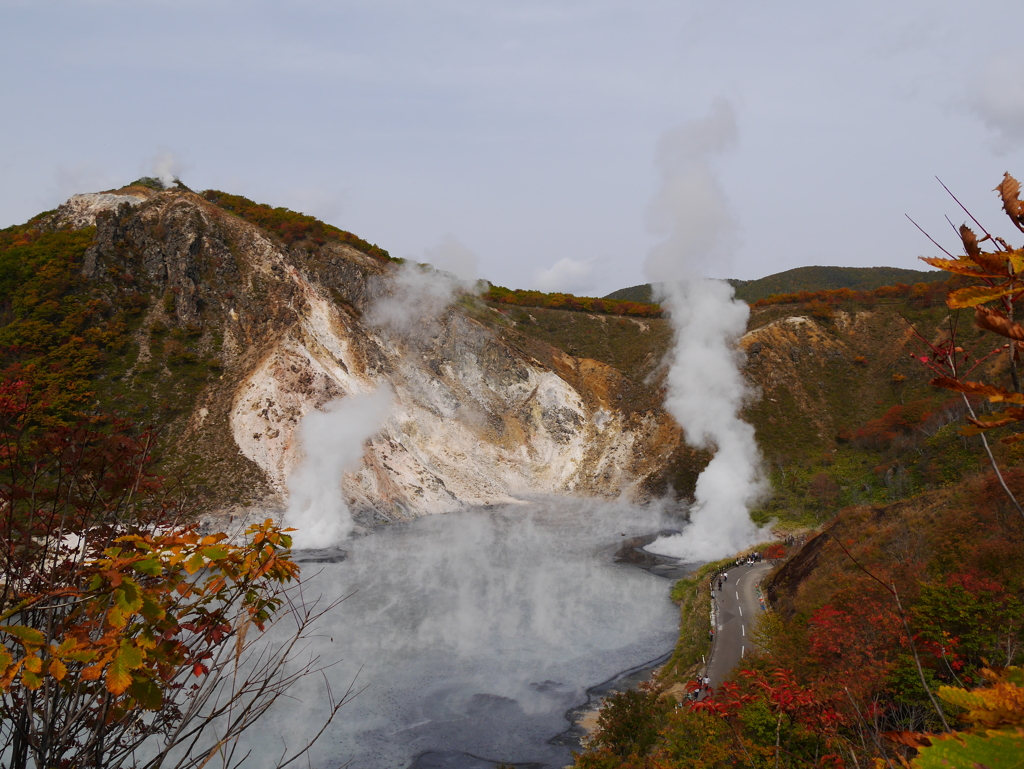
(570, 276)
(998, 99)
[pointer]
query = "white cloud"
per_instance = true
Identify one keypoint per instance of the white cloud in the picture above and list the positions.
(998, 98)
(569, 276)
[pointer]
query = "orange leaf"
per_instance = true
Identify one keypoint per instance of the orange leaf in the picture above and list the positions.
(994, 394)
(910, 739)
(970, 241)
(1008, 191)
(993, 320)
(58, 669)
(128, 658)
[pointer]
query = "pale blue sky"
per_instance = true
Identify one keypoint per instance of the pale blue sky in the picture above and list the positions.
(526, 131)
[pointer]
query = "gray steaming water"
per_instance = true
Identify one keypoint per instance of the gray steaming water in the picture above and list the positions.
(474, 633)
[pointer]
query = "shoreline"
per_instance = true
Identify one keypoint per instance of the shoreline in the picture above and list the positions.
(583, 717)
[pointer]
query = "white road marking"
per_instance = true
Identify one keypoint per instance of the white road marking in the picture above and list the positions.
(741, 611)
(737, 595)
(743, 650)
(743, 628)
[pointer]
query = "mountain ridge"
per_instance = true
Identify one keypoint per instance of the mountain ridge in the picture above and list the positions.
(810, 278)
(237, 333)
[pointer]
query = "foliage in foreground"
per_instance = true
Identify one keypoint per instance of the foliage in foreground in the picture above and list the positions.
(126, 637)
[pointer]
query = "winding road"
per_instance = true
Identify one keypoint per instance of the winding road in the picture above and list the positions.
(736, 608)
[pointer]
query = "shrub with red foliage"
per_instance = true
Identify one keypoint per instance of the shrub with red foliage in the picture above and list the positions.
(900, 419)
(775, 551)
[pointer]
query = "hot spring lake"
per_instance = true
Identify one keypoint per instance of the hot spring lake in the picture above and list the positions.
(473, 633)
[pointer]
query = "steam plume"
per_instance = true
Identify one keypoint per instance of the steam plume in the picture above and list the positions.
(705, 387)
(409, 305)
(332, 442)
(418, 294)
(166, 168)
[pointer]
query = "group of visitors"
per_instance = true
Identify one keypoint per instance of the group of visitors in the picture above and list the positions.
(703, 687)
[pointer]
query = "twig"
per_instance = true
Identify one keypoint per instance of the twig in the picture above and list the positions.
(980, 225)
(937, 245)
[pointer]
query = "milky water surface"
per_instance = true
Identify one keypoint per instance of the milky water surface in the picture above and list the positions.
(473, 633)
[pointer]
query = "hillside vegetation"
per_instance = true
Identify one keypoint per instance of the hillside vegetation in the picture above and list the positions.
(845, 415)
(894, 636)
(835, 682)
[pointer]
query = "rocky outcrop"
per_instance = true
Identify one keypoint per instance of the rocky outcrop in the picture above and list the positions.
(477, 420)
(80, 211)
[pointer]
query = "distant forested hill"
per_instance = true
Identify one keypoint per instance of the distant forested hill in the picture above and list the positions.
(806, 279)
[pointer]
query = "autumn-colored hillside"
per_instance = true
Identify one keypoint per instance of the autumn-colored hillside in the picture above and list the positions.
(836, 682)
(893, 637)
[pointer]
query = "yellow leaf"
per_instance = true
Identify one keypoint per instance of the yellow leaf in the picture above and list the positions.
(127, 659)
(956, 266)
(31, 680)
(33, 664)
(1016, 259)
(58, 669)
(195, 563)
(29, 637)
(975, 295)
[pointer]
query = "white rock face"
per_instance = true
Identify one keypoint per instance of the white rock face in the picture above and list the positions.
(81, 210)
(473, 424)
(476, 420)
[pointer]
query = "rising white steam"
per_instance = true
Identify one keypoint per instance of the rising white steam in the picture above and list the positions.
(332, 444)
(705, 387)
(167, 168)
(416, 295)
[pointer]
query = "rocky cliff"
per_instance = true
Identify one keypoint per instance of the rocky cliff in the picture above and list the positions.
(242, 335)
(241, 319)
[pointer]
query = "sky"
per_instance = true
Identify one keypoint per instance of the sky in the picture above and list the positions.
(525, 133)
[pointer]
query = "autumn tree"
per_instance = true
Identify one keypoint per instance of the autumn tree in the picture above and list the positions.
(995, 284)
(127, 638)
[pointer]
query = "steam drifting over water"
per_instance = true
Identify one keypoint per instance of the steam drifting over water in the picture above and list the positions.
(474, 632)
(705, 387)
